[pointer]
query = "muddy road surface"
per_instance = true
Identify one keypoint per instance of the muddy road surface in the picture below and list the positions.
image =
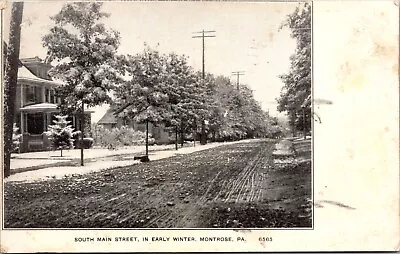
(231, 186)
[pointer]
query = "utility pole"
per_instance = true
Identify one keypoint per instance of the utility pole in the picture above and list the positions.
(237, 73)
(204, 34)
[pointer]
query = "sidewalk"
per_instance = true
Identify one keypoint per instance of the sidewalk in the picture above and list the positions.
(96, 160)
(51, 158)
(288, 151)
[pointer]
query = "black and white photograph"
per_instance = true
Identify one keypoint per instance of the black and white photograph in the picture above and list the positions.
(115, 118)
(191, 126)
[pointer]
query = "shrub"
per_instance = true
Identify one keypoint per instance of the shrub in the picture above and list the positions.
(118, 137)
(87, 143)
(16, 138)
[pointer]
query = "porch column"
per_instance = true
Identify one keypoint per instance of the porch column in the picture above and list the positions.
(44, 121)
(49, 122)
(22, 95)
(22, 119)
(43, 99)
(25, 122)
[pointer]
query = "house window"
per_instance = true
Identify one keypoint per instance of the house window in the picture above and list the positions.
(32, 94)
(50, 96)
(46, 95)
(35, 123)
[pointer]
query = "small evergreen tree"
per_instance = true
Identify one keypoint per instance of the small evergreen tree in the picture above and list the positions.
(61, 133)
(16, 138)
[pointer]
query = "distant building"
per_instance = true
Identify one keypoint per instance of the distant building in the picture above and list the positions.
(36, 104)
(161, 134)
(109, 120)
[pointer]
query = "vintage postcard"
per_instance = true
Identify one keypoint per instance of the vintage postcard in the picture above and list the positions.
(181, 126)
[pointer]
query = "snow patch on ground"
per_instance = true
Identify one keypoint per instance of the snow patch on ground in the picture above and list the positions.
(290, 161)
(284, 147)
(60, 172)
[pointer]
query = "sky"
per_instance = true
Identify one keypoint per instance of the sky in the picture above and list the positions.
(247, 39)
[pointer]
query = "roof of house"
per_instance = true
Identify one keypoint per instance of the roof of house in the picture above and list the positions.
(108, 118)
(23, 72)
(35, 59)
(37, 66)
(26, 75)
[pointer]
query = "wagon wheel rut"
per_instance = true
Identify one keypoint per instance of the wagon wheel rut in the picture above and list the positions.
(245, 187)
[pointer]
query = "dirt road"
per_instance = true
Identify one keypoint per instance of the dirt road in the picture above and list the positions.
(234, 185)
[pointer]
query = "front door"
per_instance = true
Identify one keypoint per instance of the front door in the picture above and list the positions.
(35, 123)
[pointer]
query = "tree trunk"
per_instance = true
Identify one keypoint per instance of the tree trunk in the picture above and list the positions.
(194, 133)
(10, 81)
(203, 139)
(181, 132)
(147, 137)
(176, 137)
(61, 153)
(82, 132)
(304, 124)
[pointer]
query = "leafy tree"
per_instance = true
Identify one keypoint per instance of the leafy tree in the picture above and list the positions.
(84, 55)
(237, 114)
(297, 82)
(10, 81)
(235, 110)
(144, 96)
(224, 96)
(164, 89)
(61, 134)
(183, 94)
(207, 104)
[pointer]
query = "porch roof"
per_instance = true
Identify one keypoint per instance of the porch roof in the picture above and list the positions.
(46, 107)
(41, 107)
